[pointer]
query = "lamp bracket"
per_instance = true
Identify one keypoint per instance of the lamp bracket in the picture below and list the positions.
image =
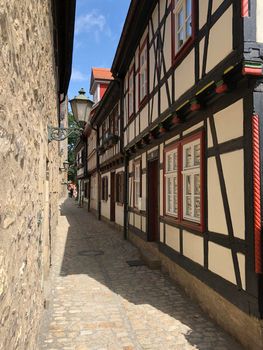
(60, 134)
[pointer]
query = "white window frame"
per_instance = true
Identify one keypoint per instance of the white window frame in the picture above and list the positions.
(182, 5)
(143, 72)
(191, 170)
(171, 174)
(137, 183)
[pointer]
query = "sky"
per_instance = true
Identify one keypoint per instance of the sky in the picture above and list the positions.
(98, 27)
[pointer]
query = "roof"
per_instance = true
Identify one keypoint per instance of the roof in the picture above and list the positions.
(64, 20)
(100, 74)
(135, 24)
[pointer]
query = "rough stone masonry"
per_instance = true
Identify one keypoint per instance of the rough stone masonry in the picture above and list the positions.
(28, 166)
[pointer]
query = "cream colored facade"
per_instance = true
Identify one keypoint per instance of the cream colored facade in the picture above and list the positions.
(194, 88)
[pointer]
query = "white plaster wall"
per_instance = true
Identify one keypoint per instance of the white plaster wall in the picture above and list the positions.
(201, 56)
(193, 128)
(218, 49)
(137, 125)
(154, 20)
(144, 162)
(143, 224)
(144, 36)
(216, 4)
(164, 97)
(131, 218)
(193, 247)
(220, 262)
(105, 205)
(131, 131)
(216, 214)
(172, 237)
(119, 214)
(167, 44)
(162, 232)
(232, 117)
(184, 81)
(172, 139)
(154, 108)
(144, 117)
(94, 190)
(161, 153)
(137, 221)
(163, 8)
(203, 8)
(233, 169)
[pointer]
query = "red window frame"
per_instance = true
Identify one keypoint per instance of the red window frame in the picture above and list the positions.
(135, 163)
(142, 47)
(186, 47)
(131, 72)
(179, 145)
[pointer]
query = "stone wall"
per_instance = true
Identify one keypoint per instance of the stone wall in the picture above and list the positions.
(29, 167)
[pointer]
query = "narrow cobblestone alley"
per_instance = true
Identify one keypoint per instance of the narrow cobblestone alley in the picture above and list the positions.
(99, 302)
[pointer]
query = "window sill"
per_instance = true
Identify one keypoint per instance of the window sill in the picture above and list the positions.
(183, 224)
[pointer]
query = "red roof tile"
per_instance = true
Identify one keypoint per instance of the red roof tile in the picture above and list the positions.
(102, 73)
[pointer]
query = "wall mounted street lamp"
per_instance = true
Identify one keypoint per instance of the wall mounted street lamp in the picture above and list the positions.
(81, 107)
(65, 166)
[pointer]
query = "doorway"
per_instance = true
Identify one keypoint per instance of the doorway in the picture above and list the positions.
(153, 200)
(112, 196)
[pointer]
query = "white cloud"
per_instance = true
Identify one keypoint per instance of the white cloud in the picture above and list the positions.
(91, 22)
(76, 75)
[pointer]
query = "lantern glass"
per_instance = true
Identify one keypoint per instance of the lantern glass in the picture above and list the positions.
(81, 106)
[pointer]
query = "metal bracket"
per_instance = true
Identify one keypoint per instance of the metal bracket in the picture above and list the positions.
(60, 134)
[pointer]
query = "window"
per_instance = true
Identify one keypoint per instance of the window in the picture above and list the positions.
(104, 188)
(191, 181)
(183, 180)
(171, 182)
(183, 28)
(183, 22)
(143, 71)
(120, 187)
(113, 121)
(137, 183)
(131, 93)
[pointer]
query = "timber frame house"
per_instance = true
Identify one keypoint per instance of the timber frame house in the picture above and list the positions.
(189, 75)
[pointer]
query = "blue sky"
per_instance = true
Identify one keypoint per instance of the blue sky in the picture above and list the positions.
(98, 27)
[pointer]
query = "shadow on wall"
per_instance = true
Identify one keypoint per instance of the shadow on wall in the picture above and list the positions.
(139, 285)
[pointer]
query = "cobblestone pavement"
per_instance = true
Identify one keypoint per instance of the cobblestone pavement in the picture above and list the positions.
(99, 302)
